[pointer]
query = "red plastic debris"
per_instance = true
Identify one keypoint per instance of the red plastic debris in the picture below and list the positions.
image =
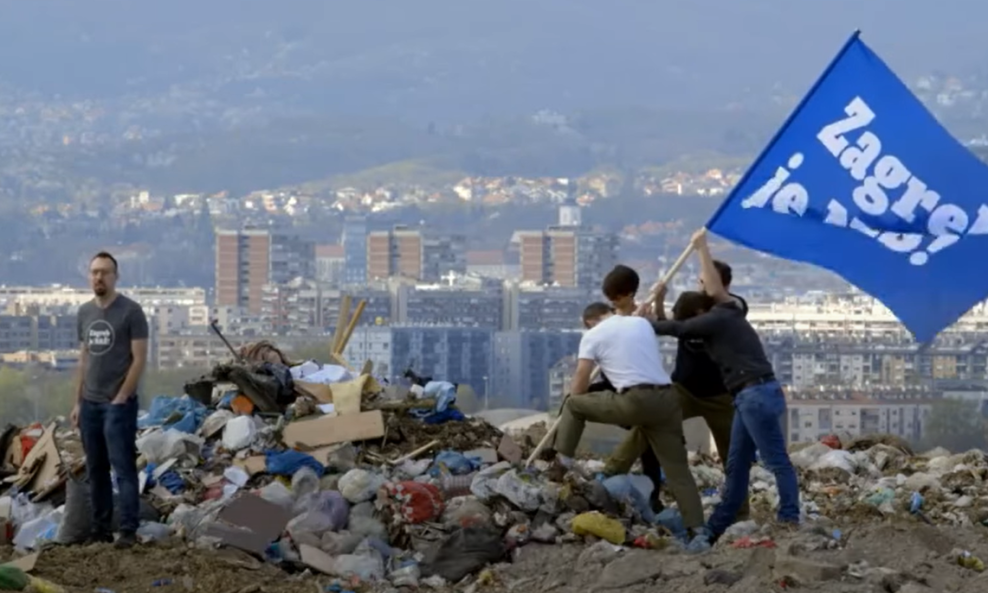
(832, 441)
(746, 542)
(415, 502)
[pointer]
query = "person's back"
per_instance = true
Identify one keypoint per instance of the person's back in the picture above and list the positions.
(626, 351)
(695, 370)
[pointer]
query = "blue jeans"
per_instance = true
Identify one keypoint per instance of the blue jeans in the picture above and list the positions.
(757, 427)
(109, 433)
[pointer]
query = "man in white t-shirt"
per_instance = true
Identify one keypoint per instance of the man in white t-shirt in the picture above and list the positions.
(624, 348)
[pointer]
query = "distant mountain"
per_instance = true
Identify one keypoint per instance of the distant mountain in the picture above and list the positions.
(451, 59)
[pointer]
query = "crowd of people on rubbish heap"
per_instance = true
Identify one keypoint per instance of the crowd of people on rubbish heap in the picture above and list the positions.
(722, 375)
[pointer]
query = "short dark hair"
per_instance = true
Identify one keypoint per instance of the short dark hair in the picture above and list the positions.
(106, 255)
(726, 274)
(620, 282)
(690, 304)
(596, 311)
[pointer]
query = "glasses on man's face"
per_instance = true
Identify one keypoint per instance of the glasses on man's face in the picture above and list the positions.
(100, 273)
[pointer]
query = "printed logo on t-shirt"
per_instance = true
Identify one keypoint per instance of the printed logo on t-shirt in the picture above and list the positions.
(100, 337)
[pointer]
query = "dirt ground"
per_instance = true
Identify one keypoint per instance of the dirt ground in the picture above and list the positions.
(900, 558)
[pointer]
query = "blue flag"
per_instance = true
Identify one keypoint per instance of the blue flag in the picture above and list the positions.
(863, 180)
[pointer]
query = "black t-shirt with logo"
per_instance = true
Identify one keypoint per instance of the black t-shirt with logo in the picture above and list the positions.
(107, 334)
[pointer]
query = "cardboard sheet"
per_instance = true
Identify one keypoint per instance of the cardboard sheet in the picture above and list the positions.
(323, 393)
(346, 395)
(330, 430)
(249, 523)
(41, 466)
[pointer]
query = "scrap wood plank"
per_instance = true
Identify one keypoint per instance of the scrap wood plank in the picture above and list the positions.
(342, 319)
(331, 430)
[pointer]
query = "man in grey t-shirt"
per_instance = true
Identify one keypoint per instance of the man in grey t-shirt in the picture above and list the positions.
(113, 335)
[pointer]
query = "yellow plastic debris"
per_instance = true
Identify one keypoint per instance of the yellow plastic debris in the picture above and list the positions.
(971, 562)
(599, 525)
(42, 586)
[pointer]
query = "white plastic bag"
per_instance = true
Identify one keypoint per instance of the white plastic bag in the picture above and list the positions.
(836, 458)
(279, 494)
(239, 433)
(160, 446)
(520, 492)
(36, 531)
(358, 485)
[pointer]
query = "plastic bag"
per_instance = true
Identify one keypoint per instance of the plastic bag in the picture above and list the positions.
(452, 463)
(179, 413)
(36, 531)
(216, 421)
(835, 458)
(287, 463)
(159, 447)
(320, 512)
(279, 494)
(154, 532)
(77, 522)
(239, 433)
(484, 483)
(358, 485)
(366, 566)
(599, 525)
(804, 458)
(464, 552)
(414, 502)
(519, 490)
(305, 482)
(625, 490)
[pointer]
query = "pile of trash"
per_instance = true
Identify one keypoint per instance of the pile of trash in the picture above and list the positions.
(325, 471)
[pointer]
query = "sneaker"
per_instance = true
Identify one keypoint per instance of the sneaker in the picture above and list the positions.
(125, 541)
(701, 541)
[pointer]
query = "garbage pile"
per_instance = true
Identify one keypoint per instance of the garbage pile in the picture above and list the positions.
(321, 470)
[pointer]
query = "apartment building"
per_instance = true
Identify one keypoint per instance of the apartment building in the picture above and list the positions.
(330, 264)
(249, 259)
(522, 363)
(24, 300)
(464, 301)
(534, 306)
(414, 254)
(38, 332)
(568, 254)
(355, 232)
(813, 414)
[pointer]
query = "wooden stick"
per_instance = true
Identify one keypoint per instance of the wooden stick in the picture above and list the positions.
(341, 321)
(414, 453)
(555, 425)
(350, 327)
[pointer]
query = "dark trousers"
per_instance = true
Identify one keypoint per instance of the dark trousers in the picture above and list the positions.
(109, 433)
(716, 410)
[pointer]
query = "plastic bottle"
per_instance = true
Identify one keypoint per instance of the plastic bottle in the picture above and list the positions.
(456, 485)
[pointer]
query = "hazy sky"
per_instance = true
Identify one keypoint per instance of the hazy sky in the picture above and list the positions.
(484, 56)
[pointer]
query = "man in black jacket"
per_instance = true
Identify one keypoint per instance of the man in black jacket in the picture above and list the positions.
(698, 381)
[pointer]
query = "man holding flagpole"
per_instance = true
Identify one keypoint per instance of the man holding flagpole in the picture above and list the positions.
(734, 345)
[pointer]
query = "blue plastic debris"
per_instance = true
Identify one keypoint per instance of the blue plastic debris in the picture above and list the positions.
(452, 463)
(286, 463)
(180, 413)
